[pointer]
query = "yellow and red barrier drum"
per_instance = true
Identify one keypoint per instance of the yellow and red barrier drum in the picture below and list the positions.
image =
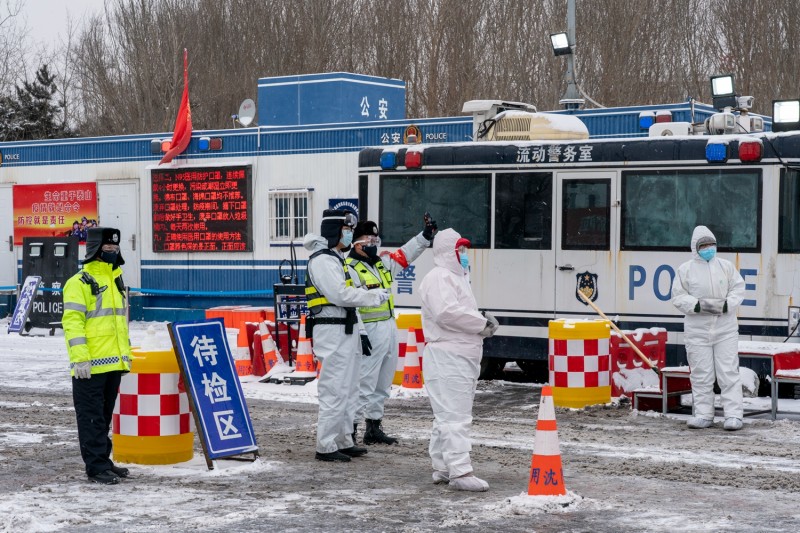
(579, 362)
(405, 321)
(152, 423)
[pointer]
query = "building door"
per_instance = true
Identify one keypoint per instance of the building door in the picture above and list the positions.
(8, 257)
(119, 208)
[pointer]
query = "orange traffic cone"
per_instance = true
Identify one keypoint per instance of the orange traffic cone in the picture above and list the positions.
(547, 477)
(271, 356)
(412, 372)
(258, 355)
(304, 365)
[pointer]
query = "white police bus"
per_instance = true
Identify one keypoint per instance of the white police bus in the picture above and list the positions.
(613, 217)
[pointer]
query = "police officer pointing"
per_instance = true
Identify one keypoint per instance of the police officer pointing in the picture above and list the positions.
(369, 270)
(96, 332)
(332, 301)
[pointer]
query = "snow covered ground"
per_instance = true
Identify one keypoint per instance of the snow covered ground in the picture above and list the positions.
(625, 470)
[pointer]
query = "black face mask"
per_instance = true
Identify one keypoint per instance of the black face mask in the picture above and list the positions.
(111, 258)
(371, 251)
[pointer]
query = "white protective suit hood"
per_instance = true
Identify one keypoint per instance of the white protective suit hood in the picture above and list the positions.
(444, 251)
(700, 231)
(313, 242)
(450, 316)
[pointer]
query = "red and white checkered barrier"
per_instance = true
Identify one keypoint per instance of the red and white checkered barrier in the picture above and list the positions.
(579, 363)
(151, 405)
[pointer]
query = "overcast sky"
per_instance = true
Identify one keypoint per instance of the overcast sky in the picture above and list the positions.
(47, 19)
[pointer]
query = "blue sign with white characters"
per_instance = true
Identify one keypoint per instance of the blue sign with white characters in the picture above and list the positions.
(348, 204)
(215, 392)
(24, 304)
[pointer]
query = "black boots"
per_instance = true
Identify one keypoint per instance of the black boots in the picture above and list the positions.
(106, 477)
(353, 451)
(355, 434)
(375, 435)
(120, 471)
(333, 456)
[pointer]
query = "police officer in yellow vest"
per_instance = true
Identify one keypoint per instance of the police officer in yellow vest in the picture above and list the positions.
(96, 332)
(332, 302)
(369, 270)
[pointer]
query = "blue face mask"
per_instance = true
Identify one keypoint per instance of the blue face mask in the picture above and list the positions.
(708, 253)
(464, 261)
(347, 238)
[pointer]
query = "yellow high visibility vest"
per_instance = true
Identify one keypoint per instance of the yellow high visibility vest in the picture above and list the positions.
(384, 311)
(96, 325)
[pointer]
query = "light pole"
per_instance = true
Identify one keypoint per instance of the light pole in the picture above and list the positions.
(563, 44)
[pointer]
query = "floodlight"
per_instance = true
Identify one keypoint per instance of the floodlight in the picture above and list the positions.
(722, 85)
(785, 115)
(722, 91)
(560, 43)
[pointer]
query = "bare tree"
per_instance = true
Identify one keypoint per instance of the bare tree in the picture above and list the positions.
(12, 36)
(128, 70)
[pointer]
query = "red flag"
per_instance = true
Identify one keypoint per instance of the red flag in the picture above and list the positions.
(183, 124)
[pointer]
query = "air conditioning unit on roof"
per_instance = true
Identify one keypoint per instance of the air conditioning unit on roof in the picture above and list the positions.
(524, 126)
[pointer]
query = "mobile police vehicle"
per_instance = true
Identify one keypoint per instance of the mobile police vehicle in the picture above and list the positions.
(551, 212)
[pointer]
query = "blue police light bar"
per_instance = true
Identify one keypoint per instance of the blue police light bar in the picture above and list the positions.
(155, 146)
(204, 144)
(388, 160)
(717, 152)
(646, 119)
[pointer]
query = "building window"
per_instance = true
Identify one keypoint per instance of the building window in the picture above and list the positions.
(289, 214)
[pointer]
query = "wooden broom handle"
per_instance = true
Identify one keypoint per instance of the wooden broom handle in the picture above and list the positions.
(636, 349)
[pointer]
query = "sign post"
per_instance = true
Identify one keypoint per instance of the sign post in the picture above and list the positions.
(24, 304)
(215, 394)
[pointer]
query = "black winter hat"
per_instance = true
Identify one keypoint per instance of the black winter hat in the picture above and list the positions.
(97, 237)
(365, 227)
(332, 222)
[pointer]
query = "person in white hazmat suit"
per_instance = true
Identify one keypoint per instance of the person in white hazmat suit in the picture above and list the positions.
(454, 333)
(379, 362)
(709, 290)
(332, 302)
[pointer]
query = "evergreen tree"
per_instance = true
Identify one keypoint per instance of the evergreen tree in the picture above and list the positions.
(34, 114)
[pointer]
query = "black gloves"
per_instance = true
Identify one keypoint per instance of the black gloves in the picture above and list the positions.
(430, 227)
(366, 346)
(697, 307)
(725, 307)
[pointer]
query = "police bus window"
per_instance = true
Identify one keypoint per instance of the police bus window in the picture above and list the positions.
(523, 211)
(462, 202)
(586, 214)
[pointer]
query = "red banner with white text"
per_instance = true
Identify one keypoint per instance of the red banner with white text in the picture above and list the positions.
(53, 210)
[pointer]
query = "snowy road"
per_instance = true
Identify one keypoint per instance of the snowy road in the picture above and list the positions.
(628, 471)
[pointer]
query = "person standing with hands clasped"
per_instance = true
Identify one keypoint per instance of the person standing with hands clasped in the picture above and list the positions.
(709, 290)
(454, 333)
(96, 332)
(369, 271)
(332, 301)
